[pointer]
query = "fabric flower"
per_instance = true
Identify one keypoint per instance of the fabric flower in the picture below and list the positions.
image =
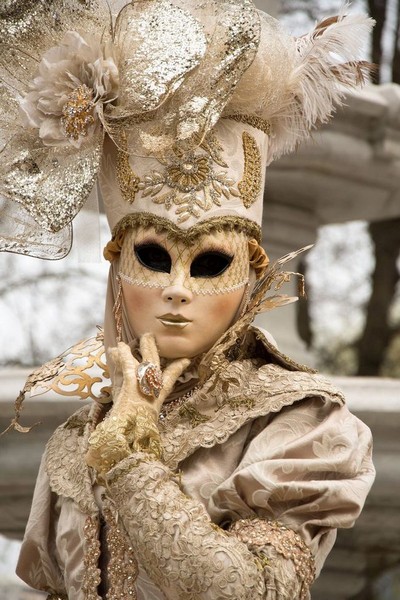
(67, 97)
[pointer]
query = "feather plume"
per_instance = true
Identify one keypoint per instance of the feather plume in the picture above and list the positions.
(300, 81)
(327, 65)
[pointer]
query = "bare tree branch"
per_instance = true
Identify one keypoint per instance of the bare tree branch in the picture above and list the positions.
(396, 50)
(378, 332)
(377, 10)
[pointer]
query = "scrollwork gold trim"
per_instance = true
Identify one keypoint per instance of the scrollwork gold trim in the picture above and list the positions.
(252, 120)
(250, 186)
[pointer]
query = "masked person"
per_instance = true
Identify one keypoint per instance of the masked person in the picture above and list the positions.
(214, 466)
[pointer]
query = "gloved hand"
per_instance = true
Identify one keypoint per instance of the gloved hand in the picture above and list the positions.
(131, 424)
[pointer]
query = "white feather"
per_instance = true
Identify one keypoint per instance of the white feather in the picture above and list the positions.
(300, 82)
(327, 66)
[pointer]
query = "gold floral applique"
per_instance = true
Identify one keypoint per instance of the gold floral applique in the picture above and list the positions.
(78, 113)
(192, 181)
(195, 185)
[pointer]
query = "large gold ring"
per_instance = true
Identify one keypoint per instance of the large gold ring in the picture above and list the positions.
(149, 377)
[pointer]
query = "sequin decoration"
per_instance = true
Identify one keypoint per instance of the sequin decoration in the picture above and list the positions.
(259, 533)
(77, 113)
(92, 577)
(123, 567)
(182, 64)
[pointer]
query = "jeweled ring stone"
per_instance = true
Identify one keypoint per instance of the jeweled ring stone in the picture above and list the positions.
(149, 377)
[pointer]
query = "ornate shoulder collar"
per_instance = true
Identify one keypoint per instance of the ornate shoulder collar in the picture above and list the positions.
(245, 391)
(68, 473)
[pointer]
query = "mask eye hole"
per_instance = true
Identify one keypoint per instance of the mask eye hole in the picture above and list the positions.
(153, 257)
(210, 264)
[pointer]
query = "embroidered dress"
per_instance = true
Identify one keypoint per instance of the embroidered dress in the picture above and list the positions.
(245, 503)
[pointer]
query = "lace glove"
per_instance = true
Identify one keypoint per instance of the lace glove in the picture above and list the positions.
(131, 424)
(182, 551)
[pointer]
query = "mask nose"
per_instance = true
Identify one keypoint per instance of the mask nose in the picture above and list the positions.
(177, 293)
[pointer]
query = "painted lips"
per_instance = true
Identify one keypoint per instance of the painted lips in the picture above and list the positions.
(170, 320)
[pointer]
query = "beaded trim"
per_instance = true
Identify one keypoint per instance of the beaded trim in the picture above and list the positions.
(122, 568)
(92, 577)
(258, 533)
(148, 284)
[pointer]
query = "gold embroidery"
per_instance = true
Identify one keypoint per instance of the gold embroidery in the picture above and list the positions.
(125, 466)
(179, 546)
(188, 411)
(122, 567)
(92, 576)
(252, 120)
(128, 181)
(66, 468)
(169, 407)
(250, 186)
(214, 148)
(190, 173)
(191, 180)
(258, 533)
(77, 113)
(261, 391)
(238, 403)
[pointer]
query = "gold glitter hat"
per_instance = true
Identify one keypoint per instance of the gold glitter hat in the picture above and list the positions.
(183, 103)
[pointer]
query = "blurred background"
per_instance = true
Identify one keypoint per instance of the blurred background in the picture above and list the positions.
(341, 192)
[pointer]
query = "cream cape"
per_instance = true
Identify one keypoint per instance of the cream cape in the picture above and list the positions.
(262, 442)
